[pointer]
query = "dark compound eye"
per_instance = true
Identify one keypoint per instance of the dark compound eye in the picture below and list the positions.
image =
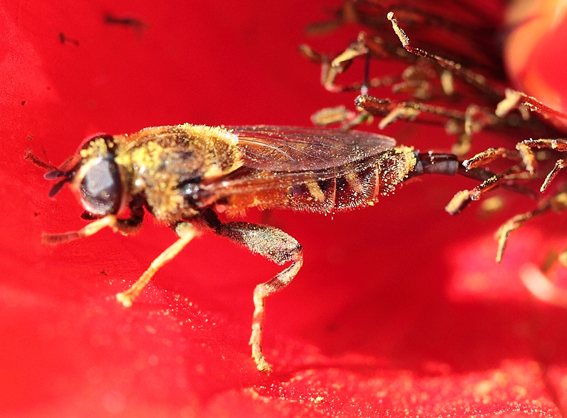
(101, 188)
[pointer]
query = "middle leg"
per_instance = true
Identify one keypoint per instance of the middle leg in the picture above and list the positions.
(276, 246)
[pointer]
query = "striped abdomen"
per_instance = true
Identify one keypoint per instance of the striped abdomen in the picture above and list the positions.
(342, 188)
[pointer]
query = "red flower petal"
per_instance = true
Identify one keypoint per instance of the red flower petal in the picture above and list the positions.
(382, 319)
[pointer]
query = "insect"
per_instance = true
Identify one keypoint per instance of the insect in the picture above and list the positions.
(185, 175)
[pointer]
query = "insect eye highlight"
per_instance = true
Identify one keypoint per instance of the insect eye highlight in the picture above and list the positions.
(101, 188)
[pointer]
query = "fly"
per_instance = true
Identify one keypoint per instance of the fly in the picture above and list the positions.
(185, 175)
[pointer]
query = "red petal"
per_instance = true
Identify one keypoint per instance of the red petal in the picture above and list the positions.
(380, 321)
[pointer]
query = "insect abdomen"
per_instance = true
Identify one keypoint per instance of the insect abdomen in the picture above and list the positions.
(358, 184)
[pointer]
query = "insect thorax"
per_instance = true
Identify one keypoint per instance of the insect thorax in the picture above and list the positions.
(162, 161)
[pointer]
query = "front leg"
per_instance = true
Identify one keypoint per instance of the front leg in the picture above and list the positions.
(276, 246)
(186, 232)
(127, 226)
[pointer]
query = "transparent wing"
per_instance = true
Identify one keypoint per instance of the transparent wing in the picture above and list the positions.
(293, 149)
(277, 157)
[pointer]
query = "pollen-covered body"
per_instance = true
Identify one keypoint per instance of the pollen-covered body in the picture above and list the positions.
(177, 171)
(160, 161)
(184, 175)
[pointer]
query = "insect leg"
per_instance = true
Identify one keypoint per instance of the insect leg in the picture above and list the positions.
(124, 226)
(186, 233)
(108, 221)
(276, 246)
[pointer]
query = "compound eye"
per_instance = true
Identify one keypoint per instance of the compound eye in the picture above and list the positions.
(101, 188)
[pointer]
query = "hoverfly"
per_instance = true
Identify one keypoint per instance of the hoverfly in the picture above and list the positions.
(184, 175)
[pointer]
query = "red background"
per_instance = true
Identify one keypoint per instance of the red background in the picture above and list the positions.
(398, 310)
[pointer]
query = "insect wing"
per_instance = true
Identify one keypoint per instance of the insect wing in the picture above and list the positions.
(293, 149)
(278, 157)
